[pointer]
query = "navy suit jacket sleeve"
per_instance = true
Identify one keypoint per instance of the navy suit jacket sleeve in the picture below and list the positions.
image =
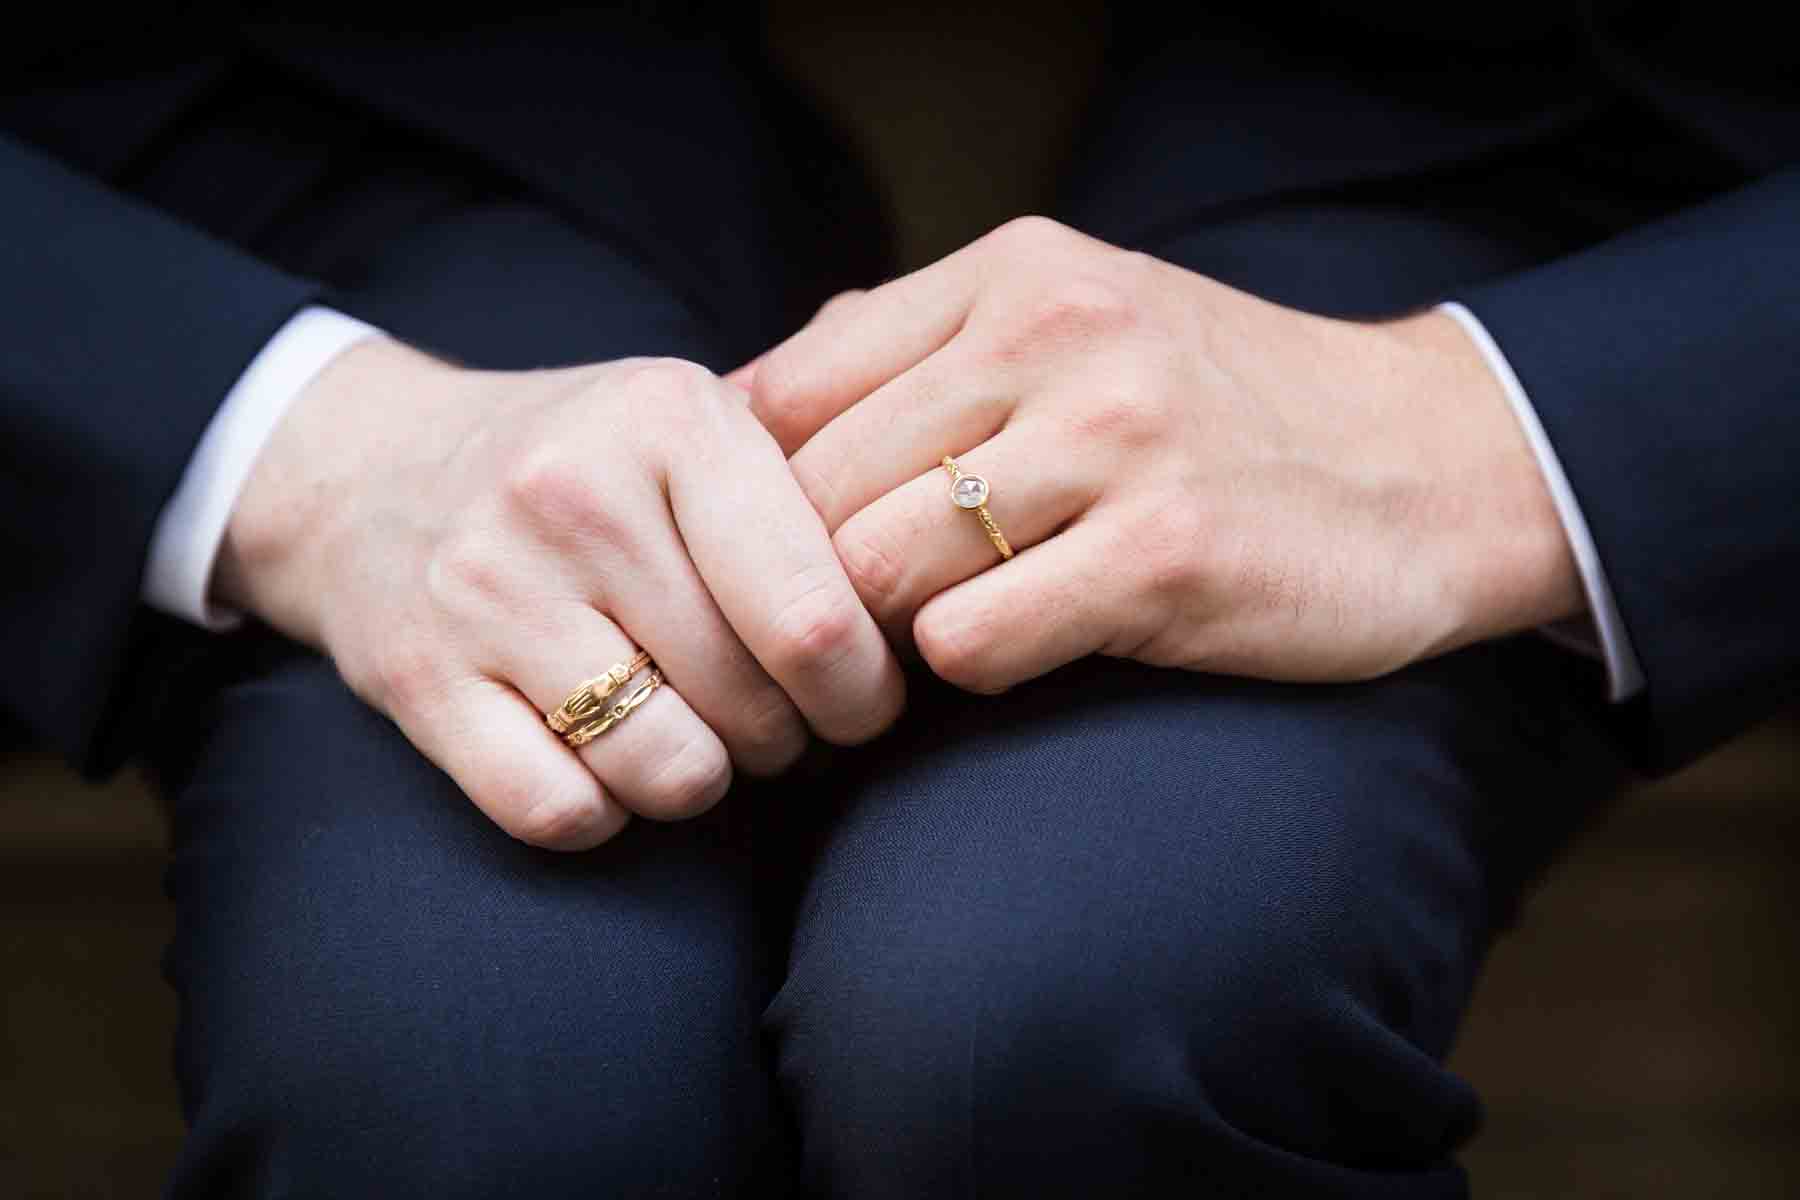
(1665, 366)
(121, 330)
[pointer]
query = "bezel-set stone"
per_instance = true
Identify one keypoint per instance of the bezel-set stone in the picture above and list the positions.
(970, 491)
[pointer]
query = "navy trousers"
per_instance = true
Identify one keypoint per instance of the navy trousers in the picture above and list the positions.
(1119, 930)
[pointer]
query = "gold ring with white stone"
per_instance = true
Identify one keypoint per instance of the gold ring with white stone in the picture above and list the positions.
(971, 492)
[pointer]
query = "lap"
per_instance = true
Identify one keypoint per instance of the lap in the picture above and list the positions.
(1116, 921)
(380, 989)
(1121, 922)
(1125, 921)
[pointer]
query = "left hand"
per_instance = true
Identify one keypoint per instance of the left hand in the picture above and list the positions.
(1191, 476)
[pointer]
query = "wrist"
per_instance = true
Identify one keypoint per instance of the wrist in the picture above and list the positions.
(294, 506)
(1491, 531)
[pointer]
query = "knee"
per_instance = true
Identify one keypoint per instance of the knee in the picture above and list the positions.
(453, 1031)
(1181, 1026)
(1243, 958)
(1038, 1022)
(381, 994)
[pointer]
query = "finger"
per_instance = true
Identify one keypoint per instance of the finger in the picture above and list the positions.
(493, 743)
(615, 549)
(913, 542)
(1049, 606)
(769, 564)
(902, 429)
(848, 352)
(668, 607)
(745, 376)
(662, 761)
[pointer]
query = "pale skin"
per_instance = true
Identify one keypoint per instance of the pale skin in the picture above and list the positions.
(467, 546)
(1192, 477)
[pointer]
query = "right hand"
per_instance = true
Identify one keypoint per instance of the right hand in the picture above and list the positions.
(468, 546)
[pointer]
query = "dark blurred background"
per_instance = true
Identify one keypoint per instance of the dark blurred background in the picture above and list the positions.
(1638, 1035)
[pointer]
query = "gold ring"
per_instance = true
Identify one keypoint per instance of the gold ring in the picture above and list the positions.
(589, 698)
(586, 733)
(971, 491)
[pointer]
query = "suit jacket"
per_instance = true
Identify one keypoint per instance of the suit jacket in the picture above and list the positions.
(1663, 359)
(1661, 350)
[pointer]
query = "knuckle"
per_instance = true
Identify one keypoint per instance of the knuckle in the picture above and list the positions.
(403, 674)
(562, 822)
(869, 560)
(565, 501)
(815, 631)
(1031, 233)
(680, 405)
(688, 782)
(554, 488)
(816, 484)
(671, 381)
(778, 393)
(1124, 415)
(770, 734)
(671, 390)
(464, 572)
(1081, 305)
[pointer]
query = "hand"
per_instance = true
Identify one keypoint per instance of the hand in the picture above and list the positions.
(1191, 476)
(469, 546)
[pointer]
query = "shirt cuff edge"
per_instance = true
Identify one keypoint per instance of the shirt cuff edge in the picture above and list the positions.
(190, 530)
(1625, 675)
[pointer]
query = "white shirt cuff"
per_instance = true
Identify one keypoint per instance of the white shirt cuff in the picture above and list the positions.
(1625, 675)
(191, 527)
